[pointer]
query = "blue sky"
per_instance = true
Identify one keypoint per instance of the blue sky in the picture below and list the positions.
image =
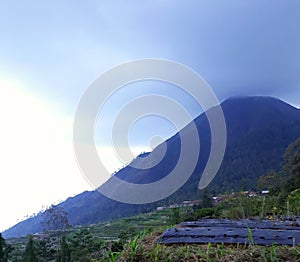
(50, 51)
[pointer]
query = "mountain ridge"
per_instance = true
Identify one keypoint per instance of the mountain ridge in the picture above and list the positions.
(258, 131)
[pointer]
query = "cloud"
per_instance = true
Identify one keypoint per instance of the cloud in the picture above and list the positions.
(239, 47)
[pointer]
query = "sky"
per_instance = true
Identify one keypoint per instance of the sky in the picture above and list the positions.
(51, 51)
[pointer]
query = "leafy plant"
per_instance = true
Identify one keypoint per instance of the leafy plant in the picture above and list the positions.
(273, 255)
(249, 236)
(187, 252)
(112, 256)
(133, 245)
(208, 251)
(220, 250)
(263, 255)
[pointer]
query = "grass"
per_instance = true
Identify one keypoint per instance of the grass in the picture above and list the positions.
(112, 256)
(208, 251)
(249, 236)
(273, 256)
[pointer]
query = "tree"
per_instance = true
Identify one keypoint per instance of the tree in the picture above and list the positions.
(54, 218)
(5, 249)
(30, 251)
(292, 166)
(176, 216)
(294, 201)
(269, 181)
(64, 253)
(83, 245)
(205, 198)
(2, 247)
(205, 212)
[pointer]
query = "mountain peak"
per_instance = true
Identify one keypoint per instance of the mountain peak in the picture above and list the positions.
(254, 99)
(258, 131)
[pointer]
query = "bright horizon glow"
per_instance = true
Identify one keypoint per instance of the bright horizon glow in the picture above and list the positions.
(36, 154)
(38, 167)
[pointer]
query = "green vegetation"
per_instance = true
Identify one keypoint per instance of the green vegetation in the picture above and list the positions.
(30, 251)
(294, 202)
(134, 238)
(64, 253)
(102, 241)
(148, 250)
(2, 244)
(5, 249)
(292, 166)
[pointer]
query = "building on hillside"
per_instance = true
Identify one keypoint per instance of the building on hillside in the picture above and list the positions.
(265, 192)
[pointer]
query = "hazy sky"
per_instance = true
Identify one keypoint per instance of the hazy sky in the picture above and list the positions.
(50, 51)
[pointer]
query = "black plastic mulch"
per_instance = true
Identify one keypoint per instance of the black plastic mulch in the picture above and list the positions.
(233, 231)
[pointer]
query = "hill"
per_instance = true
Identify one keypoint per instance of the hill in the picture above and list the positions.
(258, 131)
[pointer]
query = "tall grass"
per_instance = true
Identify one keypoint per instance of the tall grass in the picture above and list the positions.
(249, 236)
(273, 255)
(207, 251)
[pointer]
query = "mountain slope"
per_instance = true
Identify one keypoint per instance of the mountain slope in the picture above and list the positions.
(258, 131)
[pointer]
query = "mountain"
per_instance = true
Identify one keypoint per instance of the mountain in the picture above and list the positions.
(258, 131)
